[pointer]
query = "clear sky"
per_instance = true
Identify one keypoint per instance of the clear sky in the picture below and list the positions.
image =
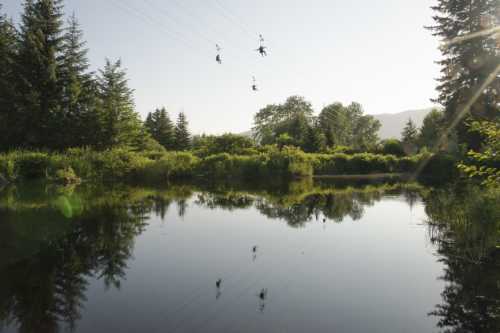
(373, 52)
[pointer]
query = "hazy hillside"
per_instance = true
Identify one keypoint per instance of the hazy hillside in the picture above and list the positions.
(393, 123)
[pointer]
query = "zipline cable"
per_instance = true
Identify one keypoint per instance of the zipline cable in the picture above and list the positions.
(148, 20)
(198, 19)
(175, 21)
(232, 18)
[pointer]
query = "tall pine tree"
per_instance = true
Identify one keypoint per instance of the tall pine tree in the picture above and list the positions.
(120, 125)
(161, 128)
(469, 58)
(182, 135)
(78, 97)
(37, 67)
(410, 137)
(8, 48)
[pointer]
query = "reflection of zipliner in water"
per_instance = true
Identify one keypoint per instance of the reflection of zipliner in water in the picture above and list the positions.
(262, 299)
(218, 285)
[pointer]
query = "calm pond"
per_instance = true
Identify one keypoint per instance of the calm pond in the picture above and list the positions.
(298, 257)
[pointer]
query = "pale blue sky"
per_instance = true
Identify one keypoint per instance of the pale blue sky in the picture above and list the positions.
(374, 52)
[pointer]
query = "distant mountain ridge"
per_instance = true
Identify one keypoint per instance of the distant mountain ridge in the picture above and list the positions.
(392, 123)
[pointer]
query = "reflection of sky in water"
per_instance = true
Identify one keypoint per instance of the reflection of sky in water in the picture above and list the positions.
(376, 274)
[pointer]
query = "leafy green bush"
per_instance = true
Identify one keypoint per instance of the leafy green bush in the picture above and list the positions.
(31, 165)
(364, 163)
(233, 144)
(439, 169)
(66, 176)
(289, 162)
(125, 165)
(170, 165)
(392, 147)
(7, 168)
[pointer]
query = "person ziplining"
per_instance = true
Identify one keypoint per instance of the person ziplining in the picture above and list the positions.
(254, 84)
(262, 48)
(218, 58)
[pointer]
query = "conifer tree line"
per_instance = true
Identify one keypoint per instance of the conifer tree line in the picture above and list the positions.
(166, 133)
(468, 30)
(50, 100)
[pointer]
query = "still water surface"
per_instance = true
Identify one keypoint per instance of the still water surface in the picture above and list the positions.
(313, 258)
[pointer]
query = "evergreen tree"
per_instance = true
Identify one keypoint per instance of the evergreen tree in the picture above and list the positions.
(182, 136)
(161, 128)
(149, 124)
(119, 124)
(410, 136)
(78, 100)
(37, 67)
(8, 48)
(469, 58)
(315, 140)
(432, 129)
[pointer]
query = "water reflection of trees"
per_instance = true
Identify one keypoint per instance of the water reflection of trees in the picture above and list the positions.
(42, 290)
(54, 240)
(465, 227)
(304, 202)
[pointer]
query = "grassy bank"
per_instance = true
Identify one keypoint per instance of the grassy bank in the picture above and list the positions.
(76, 165)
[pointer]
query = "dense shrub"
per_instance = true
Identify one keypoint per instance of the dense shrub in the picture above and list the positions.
(439, 169)
(269, 161)
(207, 145)
(392, 147)
(66, 176)
(170, 165)
(364, 163)
(288, 162)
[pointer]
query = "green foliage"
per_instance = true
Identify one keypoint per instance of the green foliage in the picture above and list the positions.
(233, 144)
(182, 135)
(37, 74)
(410, 137)
(32, 165)
(485, 164)
(120, 124)
(439, 168)
(288, 162)
(78, 99)
(293, 123)
(362, 164)
(66, 176)
(122, 164)
(161, 128)
(431, 130)
(392, 147)
(292, 118)
(348, 126)
(169, 165)
(464, 224)
(8, 91)
(467, 62)
(48, 99)
(315, 140)
(470, 216)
